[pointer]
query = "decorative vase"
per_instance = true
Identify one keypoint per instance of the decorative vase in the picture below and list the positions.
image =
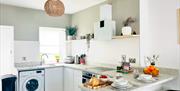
(70, 37)
(127, 30)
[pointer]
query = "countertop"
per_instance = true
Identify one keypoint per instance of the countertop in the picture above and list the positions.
(162, 78)
(46, 66)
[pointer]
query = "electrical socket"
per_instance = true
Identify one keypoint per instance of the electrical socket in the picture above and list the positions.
(132, 60)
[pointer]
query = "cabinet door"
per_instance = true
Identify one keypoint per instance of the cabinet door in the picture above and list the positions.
(68, 79)
(77, 80)
(54, 79)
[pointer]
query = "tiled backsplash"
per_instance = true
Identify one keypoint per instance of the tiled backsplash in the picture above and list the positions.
(26, 51)
(109, 52)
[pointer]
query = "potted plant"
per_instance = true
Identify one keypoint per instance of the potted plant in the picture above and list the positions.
(71, 32)
(127, 30)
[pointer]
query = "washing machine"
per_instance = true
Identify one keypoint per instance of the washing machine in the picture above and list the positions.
(32, 80)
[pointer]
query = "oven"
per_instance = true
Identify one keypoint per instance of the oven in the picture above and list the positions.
(86, 76)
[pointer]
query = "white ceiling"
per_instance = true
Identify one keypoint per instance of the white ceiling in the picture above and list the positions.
(71, 6)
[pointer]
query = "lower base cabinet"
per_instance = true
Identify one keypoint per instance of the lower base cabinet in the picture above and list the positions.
(68, 79)
(62, 79)
(77, 80)
(54, 79)
(72, 79)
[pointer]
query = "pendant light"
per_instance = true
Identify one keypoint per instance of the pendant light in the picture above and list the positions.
(54, 7)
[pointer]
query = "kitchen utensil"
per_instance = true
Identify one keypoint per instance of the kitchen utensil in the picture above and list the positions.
(121, 84)
(146, 78)
(76, 61)
(69, 60)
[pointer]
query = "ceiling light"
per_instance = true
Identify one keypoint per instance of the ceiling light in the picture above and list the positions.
(54, 7)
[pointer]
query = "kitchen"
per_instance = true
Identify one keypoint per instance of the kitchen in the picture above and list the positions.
(39, 45)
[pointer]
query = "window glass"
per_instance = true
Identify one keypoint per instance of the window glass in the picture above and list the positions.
(52, 44)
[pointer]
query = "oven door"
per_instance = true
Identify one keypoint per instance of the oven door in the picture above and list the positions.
(86, 77)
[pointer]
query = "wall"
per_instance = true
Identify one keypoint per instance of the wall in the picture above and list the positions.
(27, 49)
(27, 21)
(160, 36)
(107, 52)
(110, 52)
(159, 33)
(85, 20)
(178, 6)
(179, 44)
(121, 9)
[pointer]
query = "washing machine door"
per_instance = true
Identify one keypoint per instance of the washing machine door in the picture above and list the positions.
(33, 84)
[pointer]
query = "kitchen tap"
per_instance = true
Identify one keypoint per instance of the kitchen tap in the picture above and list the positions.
(43, 59)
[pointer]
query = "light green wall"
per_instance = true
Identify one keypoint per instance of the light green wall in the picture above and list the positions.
(122, 9)
(85, 19)
(27, 21)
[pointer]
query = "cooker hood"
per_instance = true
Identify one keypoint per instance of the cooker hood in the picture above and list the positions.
(105, 28)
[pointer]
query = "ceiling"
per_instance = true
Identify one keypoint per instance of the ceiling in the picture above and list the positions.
(71, 6)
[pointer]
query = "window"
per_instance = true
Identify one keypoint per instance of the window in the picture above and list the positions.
(52, 44)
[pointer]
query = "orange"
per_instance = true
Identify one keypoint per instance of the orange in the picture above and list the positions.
(151, 68)
(146, 71)
(155, 73)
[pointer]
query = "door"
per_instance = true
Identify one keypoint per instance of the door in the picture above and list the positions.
(68, 79)
(72, 79)
(6, 50)
(33, 84)
(54, 79)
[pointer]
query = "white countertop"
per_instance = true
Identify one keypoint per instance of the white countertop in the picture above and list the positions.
(46, 66)
(162, 78)
(137, 85)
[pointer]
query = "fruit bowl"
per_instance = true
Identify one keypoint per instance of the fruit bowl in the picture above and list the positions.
(151, 70)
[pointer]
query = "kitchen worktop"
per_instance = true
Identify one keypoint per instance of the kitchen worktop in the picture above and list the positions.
(74, 66)
(137, 85)
(165, 76)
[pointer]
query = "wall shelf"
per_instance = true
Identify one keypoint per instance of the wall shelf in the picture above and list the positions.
(126, 36)
(75, 40)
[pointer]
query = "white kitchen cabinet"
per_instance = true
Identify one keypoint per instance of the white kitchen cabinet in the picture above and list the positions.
(68, 79)
(77, 80)
(54, 79)
(72, 79)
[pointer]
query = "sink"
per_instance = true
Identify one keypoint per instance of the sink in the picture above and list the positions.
(102, 69)
(56, 64)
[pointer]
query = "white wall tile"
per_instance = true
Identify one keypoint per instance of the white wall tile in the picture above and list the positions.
(28, 49)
